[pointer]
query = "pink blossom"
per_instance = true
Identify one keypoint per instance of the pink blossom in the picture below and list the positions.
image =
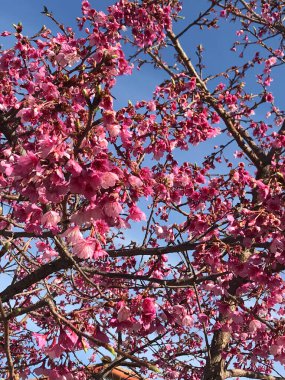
(181, 316)
(25, 164)
(108, 179)
(124, 313)
(148, 311)
(74, 167)
(254, 325)
(191, 85)
(67, 55)
(5, 34)
(67, 339)
(113, 129)
(55, 350)
(73, 235)
(263, 190)
(269, 97)
(135, 181)
(101, 336)
(50, 91)
(50, 219)
(136, 214)
(163, 232)
(98, 251)
(275, 349)
(112, 209)
(27, 114)
(41, 339)
(279, 53)
(172, 375)
(151, 106)
(46, 145)
(270, 61)
(238, 154)
(84, 248)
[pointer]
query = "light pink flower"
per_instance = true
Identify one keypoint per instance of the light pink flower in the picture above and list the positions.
(67, 56)
(108, 179)
(73, 167)
(54, 351)
(26, 114)
(135, 181)
(124, 313)
(84, 248)
(73, 235)
(187, 321)
(254, 325)
(112, 209)
(270, 61)
(50, 219)
(114, 129)
(181, 316)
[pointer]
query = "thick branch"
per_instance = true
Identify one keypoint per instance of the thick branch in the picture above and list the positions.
(251, 375)
(63, 263)
(7, 342)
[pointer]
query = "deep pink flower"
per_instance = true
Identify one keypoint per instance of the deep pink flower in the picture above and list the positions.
(136, 214)
(27, 114)
(269, 97)
(101, 336)
(98, 251)
(148, 311)
(67, 339)
(50, 91)
(41, 339)
(25, 164)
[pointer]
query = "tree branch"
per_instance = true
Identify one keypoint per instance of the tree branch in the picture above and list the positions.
(251, 375)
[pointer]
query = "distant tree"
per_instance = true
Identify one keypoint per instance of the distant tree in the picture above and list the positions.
(201, 294)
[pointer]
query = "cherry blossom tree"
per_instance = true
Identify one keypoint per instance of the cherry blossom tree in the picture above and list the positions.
(113, 240)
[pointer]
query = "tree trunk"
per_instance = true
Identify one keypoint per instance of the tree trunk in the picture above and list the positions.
(215, 367)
